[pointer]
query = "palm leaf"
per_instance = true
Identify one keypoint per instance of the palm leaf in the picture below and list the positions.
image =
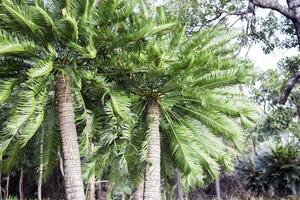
(5, 89)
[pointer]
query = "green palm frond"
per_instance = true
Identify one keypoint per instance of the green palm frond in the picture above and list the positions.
(219, 124)
(42, 19)
(121, 106)
(113, 10)
(13, 46)
(34, 121)
(18, 18)
(67, 29)
(40, 68)
(222, 78)
(50, 139)
(25, 133)
(21, 113)
(5, 89)
(77, 8)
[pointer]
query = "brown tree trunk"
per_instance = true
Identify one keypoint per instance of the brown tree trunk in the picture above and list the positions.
(152, 174)
(21, 193)
(70, 148)
(139, 192)
(91, 189)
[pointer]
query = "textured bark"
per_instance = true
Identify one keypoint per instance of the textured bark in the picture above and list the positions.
(139, 192)
(274, 5)
(178, 185)
(91, 189)
(152, 174)
(70, 148)
(21, 193)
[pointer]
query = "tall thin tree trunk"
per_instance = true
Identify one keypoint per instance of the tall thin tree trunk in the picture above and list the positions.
(0, 178)
(178, 184)
(152, 174)
(21, 180)
(40, 184)
(91, 189)
(70, 148)
(40, 181)
(218, 190)
(7, 188)
(139, 192)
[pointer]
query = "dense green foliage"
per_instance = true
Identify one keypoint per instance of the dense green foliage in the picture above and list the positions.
(274, 172)
(118, 56)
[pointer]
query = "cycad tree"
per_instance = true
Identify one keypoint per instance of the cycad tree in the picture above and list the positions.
(186, 91)
(46, 49)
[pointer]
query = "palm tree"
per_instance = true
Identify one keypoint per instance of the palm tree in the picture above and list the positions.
(185, 92)
(47, 49)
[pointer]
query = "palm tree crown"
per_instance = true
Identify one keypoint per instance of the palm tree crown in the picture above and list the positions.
(194, 81)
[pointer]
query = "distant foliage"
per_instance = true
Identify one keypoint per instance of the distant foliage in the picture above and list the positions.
(275, 172)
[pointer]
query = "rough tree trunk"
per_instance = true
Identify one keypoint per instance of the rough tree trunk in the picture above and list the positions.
(91, 189)
(21, 193)
(70, 148)
(152, 174)
(178, 185)
(139, 192)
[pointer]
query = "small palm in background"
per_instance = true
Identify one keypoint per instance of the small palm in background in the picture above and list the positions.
(275, 172)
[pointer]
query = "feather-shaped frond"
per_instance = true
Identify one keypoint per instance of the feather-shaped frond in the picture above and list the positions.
(23, 110)
(221, 78)
(121, 106)
(18, 19)
(88, 52)
(5, 89)
(81, 112)
(67, 29)
(219, 124)
(185, 153)
(34, 121)
(42, 19)
(108, 11)
(49, 139)
(25, 132)
(40, 68)
(12, 46)
(77, 8)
